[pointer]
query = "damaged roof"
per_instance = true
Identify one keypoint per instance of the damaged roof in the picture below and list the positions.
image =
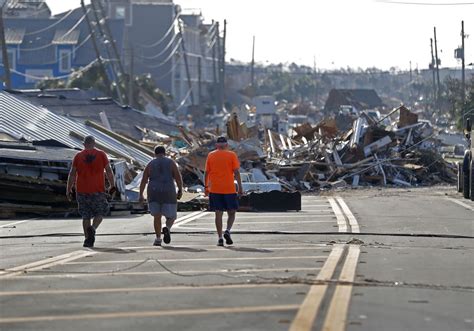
(359, 98)
(24, 120)
(88, 104)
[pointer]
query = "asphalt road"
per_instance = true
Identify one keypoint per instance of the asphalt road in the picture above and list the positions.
(355, 260)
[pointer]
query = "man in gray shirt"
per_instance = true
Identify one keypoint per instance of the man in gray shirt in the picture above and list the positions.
(160, 175)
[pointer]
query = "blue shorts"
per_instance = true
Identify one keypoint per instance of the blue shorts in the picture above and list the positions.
(223, 202)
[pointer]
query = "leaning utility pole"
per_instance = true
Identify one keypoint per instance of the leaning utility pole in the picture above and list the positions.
(252, 65)
(185, 56)
(6, 64)
(219, 59)
(437, 66)
(434, 74)
(463, 64)
(103, 72)
(131, 80)
(199, 82)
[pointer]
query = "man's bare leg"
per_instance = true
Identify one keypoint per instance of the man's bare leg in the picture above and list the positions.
(96, 222)
(230, 219)
(157, 225)
(169, 222)
(86, 223)
(219, 223)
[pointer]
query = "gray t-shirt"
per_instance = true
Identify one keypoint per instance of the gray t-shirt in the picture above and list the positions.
(161, 187)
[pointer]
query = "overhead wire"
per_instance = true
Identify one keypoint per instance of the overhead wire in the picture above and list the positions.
(65, 34)
(75, 50)
(170, 44)
(171, 28)
(172, 53)
(50, 26)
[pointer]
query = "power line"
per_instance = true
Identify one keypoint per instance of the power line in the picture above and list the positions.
(162, 38)
(51, 44)
(50, 26)
(163, 50)
(426, 3)
(75, 50)
(173, 52)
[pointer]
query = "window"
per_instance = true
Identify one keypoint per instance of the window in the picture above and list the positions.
(120, 12)
(64, 60)
(36, 75)
(11, 58)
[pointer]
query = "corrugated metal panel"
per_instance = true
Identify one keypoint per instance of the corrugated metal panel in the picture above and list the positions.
(14, 36)
(62, 37)
(20, 118)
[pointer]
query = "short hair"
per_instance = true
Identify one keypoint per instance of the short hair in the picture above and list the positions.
(160, 150)
(222, 140)
(88, 140)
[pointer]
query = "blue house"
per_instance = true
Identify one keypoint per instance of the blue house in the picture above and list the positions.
(52, 47)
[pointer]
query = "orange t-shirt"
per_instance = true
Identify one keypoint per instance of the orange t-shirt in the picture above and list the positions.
(220, 166)
(90, 165)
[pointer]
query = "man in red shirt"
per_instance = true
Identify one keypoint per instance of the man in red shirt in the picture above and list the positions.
(222, 167)
(87, 175)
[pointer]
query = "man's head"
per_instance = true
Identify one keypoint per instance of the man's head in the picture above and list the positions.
(160, 150)
(221, 142)
(89, 142)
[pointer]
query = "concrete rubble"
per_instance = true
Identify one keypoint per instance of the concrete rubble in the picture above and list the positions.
(397, 149)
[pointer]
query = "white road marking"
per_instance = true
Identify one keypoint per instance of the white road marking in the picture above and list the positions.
(144, 314)
(352, 220)
(341, 220)
(463, 204)
(186, 220)
(12, 224)
(147, 273)
(46, 263)
(245, 258)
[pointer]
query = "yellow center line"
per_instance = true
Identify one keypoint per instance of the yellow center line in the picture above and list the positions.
(336, 318)
(309, 308)
(341, 220)
(352, 220)
(137, 314)
(146, 289)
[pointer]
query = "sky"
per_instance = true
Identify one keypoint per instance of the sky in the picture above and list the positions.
(337, 33)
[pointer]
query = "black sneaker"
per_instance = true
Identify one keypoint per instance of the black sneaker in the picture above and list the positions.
(88, 243)
(220, 242)
(228, 239)
(166, 235)
(91, 236)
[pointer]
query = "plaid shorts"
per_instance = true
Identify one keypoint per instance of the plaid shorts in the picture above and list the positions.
(92, 205)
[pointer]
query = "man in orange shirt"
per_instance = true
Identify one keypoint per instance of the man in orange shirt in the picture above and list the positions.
(87, 175)
(222, 166)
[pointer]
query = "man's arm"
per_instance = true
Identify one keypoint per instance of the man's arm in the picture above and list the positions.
(239, 181)
(178, 179)
(71, 181)
(206, 178)
(145, 177)
(110, 175)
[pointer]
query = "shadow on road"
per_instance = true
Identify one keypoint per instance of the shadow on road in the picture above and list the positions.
(248, 249)
(113, 250)
(184, 249)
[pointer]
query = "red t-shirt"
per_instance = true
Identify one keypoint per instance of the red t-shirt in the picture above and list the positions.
(220, 166)
(90, 165)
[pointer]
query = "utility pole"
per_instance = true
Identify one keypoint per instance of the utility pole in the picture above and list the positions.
(6, 64)
(219, 59)
(411, 73)
(97, 53)
(109, 55)
(463, 64)
(214, 74)
(434, 74)
(222, 81)
(437, 66)
(185, 56)
(131, 80)
(199, 81)
(252, 66)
